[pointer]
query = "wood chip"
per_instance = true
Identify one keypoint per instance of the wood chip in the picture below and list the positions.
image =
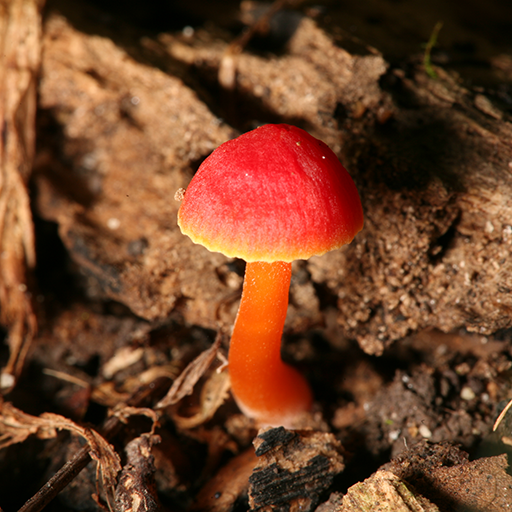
(294, 469)
(383, 492)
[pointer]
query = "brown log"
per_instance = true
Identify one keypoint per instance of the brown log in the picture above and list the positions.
(432, 160)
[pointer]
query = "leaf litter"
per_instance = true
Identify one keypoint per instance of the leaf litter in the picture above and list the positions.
(16, 426)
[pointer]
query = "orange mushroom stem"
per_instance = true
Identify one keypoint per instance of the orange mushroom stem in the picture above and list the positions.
(270, 196)
(264, 386)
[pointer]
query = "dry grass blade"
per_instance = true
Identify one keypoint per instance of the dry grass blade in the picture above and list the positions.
(500, 417)
(16, 426)
(20, 50)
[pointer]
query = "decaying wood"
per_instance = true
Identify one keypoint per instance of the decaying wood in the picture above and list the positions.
(136, 490)
(293, 469)
(141, 129)
(429, 478)
(482, 484)
(431, 159)
(444, 475)
(382, 492)
(437, 240)
(20, 49)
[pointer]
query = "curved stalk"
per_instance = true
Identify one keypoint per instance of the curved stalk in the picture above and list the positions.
(264, 387)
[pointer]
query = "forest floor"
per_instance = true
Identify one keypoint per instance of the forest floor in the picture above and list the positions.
(409, 368)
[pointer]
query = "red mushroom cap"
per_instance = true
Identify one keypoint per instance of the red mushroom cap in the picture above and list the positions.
(273, 194)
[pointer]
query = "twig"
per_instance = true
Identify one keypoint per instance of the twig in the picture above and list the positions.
(73, 467)
(227, 66)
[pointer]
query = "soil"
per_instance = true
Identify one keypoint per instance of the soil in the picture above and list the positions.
(405, 335)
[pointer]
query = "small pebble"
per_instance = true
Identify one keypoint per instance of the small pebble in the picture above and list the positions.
(467, 393)
(113, 223)
(394, 435)
(425, 432)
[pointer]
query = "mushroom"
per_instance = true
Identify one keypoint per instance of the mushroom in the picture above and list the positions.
(270, 196)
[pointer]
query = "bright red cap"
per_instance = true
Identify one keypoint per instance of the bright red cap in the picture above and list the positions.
(273, 194)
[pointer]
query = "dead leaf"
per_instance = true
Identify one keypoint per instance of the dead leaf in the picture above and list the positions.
(184, 384)
(213, 395)
(108, 395)
(124, 412)
(122, 359)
